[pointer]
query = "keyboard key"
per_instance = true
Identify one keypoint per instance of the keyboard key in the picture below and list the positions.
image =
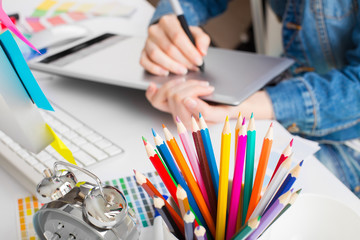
(94, 151)
(43, 156)
(71, 135)
(14, 146)
(39, 167)
(103, 143)
(93, 137)
(84, 158)
(112, 150)
(84, 131)
(22, 153)
(50, 163)
(68, 120)
(31, 160)
(61, 129)
(79, 141)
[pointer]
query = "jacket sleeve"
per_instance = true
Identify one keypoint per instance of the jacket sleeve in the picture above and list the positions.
(196, 12)
(322, 106)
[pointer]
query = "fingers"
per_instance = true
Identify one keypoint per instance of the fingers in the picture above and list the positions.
(202, 40)
(178, 37)
(159, 57)
(151, 66)
(212, 114)
(169, 48)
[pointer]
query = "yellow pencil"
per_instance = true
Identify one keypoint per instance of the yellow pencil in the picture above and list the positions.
(223, 181)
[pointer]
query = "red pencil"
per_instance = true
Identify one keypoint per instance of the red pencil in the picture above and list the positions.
(285, 154)
(155, 160)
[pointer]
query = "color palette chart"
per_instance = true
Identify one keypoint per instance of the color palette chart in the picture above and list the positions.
(27, 207)
(136, 197)
(56, 12)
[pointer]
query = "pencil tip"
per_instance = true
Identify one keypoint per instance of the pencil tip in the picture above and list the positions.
(227, 118)
(153, 132)
(200, 115)
(271, 125)
(301, 163)
(163, 126)
(291, 142)
(134, 171)
(252, 115)
(239, 114)
(144, 140)
(178, 119)
(243, 123)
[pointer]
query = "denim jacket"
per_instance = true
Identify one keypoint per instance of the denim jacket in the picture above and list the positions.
(321, 99)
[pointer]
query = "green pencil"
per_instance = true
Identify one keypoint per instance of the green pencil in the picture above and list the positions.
(249, 166)
(247, 229)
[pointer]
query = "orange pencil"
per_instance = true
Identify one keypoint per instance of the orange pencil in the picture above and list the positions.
(194, 188)
(145, 183)
(261, 170)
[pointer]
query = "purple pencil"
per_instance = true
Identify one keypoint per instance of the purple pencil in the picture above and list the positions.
(200, 233)
(237, 181)
(270, 215)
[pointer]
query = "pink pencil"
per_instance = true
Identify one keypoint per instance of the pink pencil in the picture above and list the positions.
(193, 159)
(237, 181)
(285, 154)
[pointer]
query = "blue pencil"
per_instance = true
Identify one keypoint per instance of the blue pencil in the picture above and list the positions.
(205, 135)
(170, 162)
(287, 183)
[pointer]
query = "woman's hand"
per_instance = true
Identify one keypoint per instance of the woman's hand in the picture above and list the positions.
(169, 49)
(182, 98)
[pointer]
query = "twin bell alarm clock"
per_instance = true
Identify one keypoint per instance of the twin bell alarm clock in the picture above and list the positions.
(82, 210)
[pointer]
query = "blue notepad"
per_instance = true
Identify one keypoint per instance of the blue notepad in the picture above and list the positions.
(11, 49)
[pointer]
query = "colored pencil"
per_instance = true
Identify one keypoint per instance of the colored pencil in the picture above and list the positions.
(189, 222)
(170, 162)
(205, 135)
(285, 154)
(249, 166)
(183, 200)
(193, 159)
(167, 169)
(204, 167)
(287, 183)
(145, 183)
(292, 200)
(194, 188)
(247, 229)
(165, 177)
(200, 233)
(270, 215)
(237, 129)
(239, 213)
(237, 182)
(223, 181)
(272, 187)
(159, 204)
(261, 171)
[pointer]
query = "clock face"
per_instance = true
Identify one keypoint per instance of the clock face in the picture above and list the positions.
(64, 223)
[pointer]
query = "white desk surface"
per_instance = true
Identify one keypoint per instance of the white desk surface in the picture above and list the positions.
(127, 117)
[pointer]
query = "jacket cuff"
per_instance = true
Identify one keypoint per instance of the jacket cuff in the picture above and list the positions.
(294, 105)
(164, 8)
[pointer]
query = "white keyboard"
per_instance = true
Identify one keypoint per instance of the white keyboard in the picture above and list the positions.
(87, 146)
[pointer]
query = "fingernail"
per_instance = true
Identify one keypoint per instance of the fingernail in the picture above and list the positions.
(195, 69)
(203, 50)
(190, 103)
(182, 71)
(199, 61)
(204, 83)
(151, 88)
(164, 73)
(212, 88)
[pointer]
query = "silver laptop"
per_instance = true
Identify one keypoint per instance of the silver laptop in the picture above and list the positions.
(114, 59)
